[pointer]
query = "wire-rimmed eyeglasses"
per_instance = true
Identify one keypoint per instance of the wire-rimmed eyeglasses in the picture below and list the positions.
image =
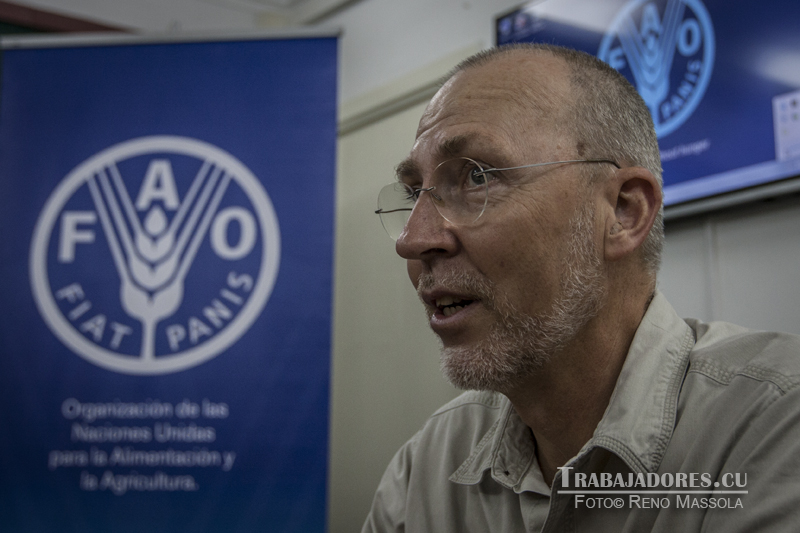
(459, 188)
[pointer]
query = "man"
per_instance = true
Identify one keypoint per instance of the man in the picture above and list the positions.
(540, 281)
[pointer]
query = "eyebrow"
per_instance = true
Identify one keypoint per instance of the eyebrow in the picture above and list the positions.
(449, 148)
(454, 146)
(407, 168)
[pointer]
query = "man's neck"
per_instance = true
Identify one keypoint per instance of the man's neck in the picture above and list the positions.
(564, 403)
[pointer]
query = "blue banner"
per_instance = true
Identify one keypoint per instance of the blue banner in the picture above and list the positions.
(166, 241)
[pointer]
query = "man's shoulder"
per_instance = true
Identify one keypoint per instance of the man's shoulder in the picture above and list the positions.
(725, 352)
(461, 424)
(469, 415)
(456, 432)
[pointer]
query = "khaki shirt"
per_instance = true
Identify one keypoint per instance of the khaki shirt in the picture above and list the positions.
(698, 409)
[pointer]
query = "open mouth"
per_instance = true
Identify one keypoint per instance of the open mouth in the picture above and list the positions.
(450, 305)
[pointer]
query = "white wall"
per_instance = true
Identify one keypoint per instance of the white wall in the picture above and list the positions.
(388, 39)
(738, 265)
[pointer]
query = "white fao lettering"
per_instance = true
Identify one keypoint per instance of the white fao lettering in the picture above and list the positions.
(96, 325)
(70, 235)
(73, 233)
(217, 313)
(247, 233)
(690, 37)
(179, 210)
(661, 44)
(158, 184)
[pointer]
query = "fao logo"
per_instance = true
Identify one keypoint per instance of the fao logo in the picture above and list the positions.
(154, 255)
(667, 50)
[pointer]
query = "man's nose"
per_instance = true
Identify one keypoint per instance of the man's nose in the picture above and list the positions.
(426, 232)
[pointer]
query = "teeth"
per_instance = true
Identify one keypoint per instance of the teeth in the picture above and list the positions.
(447, 300)
(449, 311)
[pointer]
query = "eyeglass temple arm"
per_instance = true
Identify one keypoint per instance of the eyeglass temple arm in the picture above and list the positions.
(380, 211)
(555, 163)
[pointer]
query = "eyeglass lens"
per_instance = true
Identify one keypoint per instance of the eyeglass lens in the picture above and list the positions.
(458, 188)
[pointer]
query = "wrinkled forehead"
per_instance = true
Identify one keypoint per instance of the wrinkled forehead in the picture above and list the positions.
(521, 89)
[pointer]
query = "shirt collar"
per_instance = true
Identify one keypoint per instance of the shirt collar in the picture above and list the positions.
(636, 426)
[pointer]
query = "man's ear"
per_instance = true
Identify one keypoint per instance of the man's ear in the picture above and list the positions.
(634, 197)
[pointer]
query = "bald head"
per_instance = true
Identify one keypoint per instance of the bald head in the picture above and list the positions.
(540, 98)
(584, 99)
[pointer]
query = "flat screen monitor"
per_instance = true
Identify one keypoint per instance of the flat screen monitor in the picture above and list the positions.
(721, 79)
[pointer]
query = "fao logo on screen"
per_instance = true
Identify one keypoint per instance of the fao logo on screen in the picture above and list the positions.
(154, 255)
(666, 49)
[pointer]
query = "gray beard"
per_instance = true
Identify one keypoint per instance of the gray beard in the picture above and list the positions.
(519, 344)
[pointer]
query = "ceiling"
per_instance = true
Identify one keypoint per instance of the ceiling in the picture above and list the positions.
(292, 12)
(176, 15)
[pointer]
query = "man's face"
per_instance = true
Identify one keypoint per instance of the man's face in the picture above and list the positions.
(504, 293)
